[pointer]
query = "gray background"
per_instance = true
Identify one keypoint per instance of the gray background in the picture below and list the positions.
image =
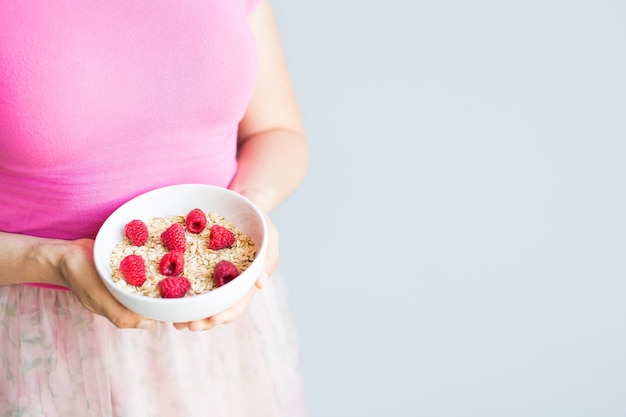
(458, 247)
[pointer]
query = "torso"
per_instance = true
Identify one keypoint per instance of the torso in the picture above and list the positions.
(100, 101)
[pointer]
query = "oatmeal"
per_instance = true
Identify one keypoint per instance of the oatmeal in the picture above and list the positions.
(199, 260)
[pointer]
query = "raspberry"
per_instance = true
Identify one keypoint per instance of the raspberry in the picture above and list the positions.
(224, 272)
(195, 221)
(137, 232)
(172, 263)
(174, 287)
(220, 237)
(173, 238)
(133, 269)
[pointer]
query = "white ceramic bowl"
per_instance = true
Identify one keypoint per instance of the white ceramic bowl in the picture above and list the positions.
(179, 200)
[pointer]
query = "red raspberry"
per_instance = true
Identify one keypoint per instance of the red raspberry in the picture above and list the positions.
(133, 269)
(172, 263)
(173, 238)
(174, 287)
(224, 272)
(220, 237)
(195, 221)
(137, 232)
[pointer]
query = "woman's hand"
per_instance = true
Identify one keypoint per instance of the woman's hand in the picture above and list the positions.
(272, 152)
(30, 259)
(233, 312)
(78, 271)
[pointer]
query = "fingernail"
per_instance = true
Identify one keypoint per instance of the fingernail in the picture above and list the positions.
(146, 324)
(198, 328)
(203, 327)
(264, 279)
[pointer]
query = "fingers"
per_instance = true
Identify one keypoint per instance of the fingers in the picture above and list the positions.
(120, 316)
(260, 283)
(85, 282)
(235, 311)
(195, 326)
(107, 306)
(272, 256)
(227, 316)
(126, 319)
(232, 313)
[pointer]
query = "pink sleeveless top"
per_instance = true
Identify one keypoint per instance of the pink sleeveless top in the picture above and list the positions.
(103, 100)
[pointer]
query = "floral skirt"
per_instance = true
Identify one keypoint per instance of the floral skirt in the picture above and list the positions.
(58, 359)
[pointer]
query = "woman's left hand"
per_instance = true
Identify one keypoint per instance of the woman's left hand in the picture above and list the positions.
(233, 312)
(272, 151)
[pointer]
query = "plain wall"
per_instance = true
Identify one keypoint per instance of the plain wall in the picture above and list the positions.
(458, 247)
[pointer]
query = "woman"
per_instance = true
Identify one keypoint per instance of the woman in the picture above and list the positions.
(102, 101)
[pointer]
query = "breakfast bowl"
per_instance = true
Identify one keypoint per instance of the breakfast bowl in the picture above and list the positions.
(228, 206)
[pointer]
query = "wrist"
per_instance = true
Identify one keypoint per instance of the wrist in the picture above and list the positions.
(44, 262)
(263, 199)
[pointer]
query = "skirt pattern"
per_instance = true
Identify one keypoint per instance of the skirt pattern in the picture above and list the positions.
(58, 359)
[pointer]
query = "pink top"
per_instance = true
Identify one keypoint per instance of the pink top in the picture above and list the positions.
(103, 100)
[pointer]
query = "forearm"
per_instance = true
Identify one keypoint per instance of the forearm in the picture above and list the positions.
(272, 149)
(30, 259)
(271, 166)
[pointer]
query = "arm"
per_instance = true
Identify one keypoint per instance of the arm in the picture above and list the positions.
(29, 259)
(272, 157)
(272, 149)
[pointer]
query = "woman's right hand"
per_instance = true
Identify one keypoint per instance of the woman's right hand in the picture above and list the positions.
(79, 272)
(30, 259)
